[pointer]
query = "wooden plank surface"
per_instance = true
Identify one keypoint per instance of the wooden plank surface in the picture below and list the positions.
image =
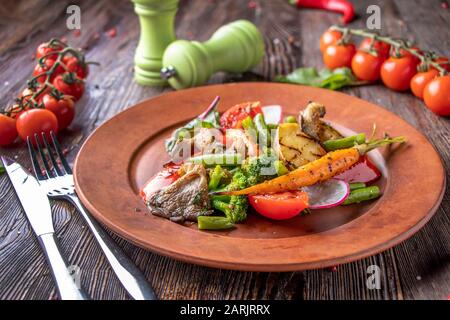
(416, 269)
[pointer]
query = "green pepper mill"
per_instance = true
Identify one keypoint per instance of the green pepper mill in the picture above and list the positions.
(235, 47)
(156, 18)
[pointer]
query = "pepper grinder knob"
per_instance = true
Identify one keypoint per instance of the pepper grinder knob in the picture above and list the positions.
(168, 72)
(235, 47)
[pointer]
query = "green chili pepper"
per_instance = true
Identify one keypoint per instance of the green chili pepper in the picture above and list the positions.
(357, 185)
(343, 143)
(214, 223)
(363, 194)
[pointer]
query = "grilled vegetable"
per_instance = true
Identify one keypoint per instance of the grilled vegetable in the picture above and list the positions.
(311, 123)
(322, 169)
(294, 147)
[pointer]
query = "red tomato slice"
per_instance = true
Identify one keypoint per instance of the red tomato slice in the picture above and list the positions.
(362, 171)
(232, 118)
(279, 206)
(160, 180)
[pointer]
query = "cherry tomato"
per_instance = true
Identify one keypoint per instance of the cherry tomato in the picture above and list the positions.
(69, 85)
(8, 131)
(45, 48)
(279, 206)
(380, 47)
(436, 95)
(443, 62)
(63, 109)
(36, 121)
(48, 63)
(397, 73)
(160, 180)
(336, 56)
(75, 66)
(366, 66)
(232, 118)
(420, 80)
(329, 37)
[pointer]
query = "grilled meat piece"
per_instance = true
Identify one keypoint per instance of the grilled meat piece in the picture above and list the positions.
(311, 123)
(185, 199)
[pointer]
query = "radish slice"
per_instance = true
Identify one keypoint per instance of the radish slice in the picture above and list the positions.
(328, 194)
(272, 114)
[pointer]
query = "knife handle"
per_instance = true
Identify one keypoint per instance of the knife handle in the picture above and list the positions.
(126, 271)
(65, 284)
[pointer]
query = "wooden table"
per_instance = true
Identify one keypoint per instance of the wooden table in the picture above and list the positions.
(416, 269)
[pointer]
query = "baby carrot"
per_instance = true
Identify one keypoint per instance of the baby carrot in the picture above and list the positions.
(322, 169)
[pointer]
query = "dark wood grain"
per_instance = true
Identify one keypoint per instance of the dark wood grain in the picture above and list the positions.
(416, 269)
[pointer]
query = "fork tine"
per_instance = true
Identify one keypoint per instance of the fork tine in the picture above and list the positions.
(51, 156)
(48, 171)
(34, 161)
(60, 153)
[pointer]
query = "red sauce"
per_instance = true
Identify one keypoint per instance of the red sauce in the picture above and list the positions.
(362, 171)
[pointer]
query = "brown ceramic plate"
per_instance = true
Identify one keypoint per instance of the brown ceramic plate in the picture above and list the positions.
(124, 152)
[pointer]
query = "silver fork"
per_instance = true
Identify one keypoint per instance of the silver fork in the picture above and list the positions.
(59, 184)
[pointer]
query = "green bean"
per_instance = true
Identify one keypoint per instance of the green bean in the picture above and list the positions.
(280, 168)
(290, 119)
(221, 197)
(213, 159)
(357, 185)
(261, 128)
(272, 126)
(363, 194)
(214, 223)
(343, 143)
(215, 175)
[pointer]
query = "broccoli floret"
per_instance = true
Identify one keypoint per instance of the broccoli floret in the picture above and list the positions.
(259, 169)
(238, 181)
(235, 210)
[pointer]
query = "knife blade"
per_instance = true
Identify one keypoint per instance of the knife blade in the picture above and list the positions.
(33, 199)
(37, 209)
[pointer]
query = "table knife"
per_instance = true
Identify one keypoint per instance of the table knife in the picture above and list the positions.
(37, 209)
